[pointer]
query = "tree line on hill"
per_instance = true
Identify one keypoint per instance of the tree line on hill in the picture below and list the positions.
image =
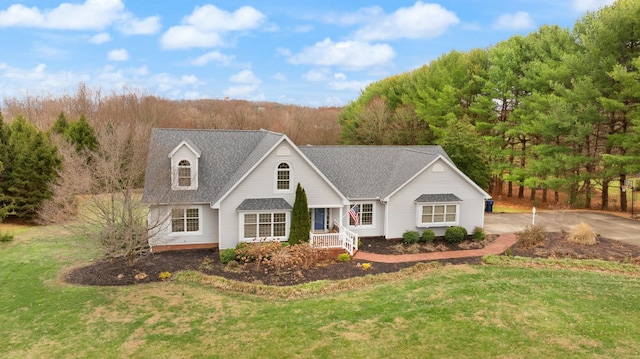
(53, 149)
(555, 110)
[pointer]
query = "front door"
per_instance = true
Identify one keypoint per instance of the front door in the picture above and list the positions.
(318, 219)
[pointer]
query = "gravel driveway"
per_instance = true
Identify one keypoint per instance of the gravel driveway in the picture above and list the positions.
(607, 225)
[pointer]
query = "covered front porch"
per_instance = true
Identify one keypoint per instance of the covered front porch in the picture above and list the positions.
(338, 237)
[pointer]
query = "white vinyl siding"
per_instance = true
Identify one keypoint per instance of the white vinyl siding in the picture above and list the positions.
(184, 170)
(403, 213)
(260, 183)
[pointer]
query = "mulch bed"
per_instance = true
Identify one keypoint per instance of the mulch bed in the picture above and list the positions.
(148, 268)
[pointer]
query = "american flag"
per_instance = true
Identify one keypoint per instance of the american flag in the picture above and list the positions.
(353, 213)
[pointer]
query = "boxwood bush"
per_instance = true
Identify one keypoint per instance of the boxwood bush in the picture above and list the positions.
(428, 236)
(411, 237)
(455, 234)
(478, 234)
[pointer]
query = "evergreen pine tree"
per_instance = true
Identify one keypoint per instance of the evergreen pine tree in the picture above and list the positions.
(81, 134)
(33, 165)
(4, 136)
(61, 124)
(300, 221)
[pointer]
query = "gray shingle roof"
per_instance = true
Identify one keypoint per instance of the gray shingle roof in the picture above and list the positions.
(438, 197)
(263, 204)
(371, 171)
(225, 157)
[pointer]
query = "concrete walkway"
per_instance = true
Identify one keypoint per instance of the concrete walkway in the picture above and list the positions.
(498, 246)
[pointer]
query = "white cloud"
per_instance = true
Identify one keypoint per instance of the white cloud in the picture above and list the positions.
(133, 26)
(317, 75)
(339, 76)
(348, 85)
(214, 56)
(303, 28)
(100, 38)
(279, 76)
(420, 21)
(16, 81)
(183, 37)
(362, 15)
(189, 79)
(240, 91)
(518, 21)
(589, 5)
(118, 55)
(352, 55)
(90, 15)
(283, 51)
(206, 25)
(245, 77)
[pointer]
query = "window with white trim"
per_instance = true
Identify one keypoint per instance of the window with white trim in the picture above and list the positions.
(184, 173)
(185, 220)
(438, 215)
(365, 214)
(283, 177)
(265, 225)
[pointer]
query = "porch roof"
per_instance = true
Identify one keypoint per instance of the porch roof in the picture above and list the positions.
(263, 204)
(438, 197)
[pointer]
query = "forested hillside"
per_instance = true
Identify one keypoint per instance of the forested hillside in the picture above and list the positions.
(556, 110)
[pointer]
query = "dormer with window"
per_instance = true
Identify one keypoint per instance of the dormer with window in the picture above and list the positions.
(184, 167)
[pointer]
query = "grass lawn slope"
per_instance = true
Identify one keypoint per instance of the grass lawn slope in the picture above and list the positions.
(507, 311)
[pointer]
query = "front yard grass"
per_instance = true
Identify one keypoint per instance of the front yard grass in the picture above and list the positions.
(509, 311)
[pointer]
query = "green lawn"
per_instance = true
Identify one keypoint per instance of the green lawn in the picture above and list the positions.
(506, 311)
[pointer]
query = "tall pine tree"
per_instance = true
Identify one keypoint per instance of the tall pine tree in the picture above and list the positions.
(300, 221)
(32, 165)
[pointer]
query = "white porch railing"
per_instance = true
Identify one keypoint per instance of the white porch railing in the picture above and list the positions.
(345, 239)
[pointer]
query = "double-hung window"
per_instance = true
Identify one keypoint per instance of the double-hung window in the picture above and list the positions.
(283, 177)
(438, 210)
(184, 173)
(185, 220)
(364, 212)
(265, 225)
(438, 215)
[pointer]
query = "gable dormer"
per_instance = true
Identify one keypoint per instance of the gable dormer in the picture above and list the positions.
(184, 167)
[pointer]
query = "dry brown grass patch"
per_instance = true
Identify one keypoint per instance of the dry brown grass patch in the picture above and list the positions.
(582, 233)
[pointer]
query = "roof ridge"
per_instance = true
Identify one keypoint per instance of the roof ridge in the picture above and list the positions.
(212, 130)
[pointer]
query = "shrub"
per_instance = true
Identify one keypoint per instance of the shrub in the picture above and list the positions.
(428, 236)
(344, 257)
(227, 255)
(582, 233)
(411, 237)
(531, 236)
(455, 234)
(366, 266)
(6, 237)
(478, 234)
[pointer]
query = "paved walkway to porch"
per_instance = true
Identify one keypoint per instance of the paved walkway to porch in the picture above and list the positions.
(498, 246)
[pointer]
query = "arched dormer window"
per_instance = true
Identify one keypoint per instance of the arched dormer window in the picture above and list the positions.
(184, 173)
(283, 177)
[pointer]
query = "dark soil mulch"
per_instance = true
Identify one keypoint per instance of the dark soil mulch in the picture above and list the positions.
(148, 268)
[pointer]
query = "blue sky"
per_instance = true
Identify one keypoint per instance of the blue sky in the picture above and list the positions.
(310, 53)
